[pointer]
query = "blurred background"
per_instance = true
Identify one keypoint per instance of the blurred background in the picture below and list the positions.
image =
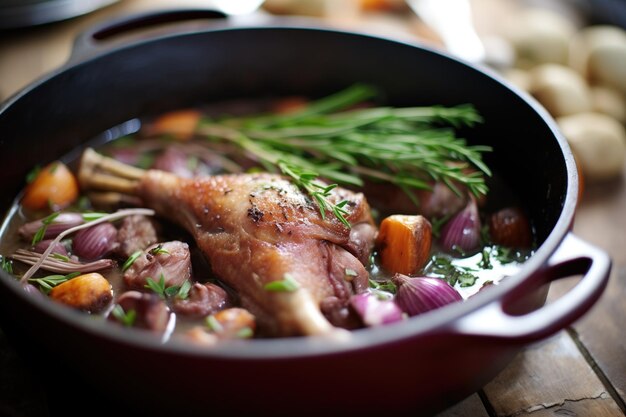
(568, 54)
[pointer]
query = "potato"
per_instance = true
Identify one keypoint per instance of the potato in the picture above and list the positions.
(518, 77)
(598, 142)
(561, 90)
(599, 53)
(88, 292)
(539, 36)
(608, 101)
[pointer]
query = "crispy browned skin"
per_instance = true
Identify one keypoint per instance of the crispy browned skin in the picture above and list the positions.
(259, 228)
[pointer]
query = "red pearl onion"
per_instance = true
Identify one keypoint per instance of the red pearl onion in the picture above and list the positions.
(59, 248)
(419, 295)
(95, 242)
(30, 289)
(374, 311)
(463, 230)
(61, 223)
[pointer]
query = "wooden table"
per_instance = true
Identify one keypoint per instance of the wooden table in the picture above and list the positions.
(581, 371)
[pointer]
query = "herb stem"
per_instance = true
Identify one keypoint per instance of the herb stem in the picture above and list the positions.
(110, 217)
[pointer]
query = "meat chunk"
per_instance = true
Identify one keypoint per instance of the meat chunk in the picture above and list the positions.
(203, 300)
(135, 234)
(148, 311)
(170, 260)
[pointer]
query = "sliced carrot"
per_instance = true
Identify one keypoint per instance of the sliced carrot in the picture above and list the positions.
(54, 186)
(404, 243)
(289, 105)
(181, 124)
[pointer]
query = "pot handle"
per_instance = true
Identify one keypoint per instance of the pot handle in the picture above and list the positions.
(104, 36)
(573, 257)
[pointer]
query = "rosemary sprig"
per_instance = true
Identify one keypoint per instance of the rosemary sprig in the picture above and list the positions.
(410, 147)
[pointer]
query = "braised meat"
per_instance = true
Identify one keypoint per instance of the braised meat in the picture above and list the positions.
(258, 229)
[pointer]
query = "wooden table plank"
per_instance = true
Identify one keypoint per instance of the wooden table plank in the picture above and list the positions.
(601, 220)
(556, 377)
(471, 406)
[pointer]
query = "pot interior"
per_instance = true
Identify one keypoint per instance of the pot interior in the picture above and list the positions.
(80, 102)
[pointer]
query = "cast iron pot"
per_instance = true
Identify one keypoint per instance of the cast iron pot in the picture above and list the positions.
(415, 368)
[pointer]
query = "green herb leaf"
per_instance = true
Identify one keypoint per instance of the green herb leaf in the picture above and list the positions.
(485, 261)
(171, 291)
(351, 272)
(91, 216)
(245, 333)
(126, 318)
(60, 257)
(183, 291)
(41, 232)
(157, 250)
(131, 259)
(288, 284)
(6, 264)
(157, 287)
(213, 324)
(442, 266)
(384, 285)
(47, 283)
(33, 173)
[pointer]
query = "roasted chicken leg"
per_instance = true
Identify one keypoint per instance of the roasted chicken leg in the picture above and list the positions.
(256, 229)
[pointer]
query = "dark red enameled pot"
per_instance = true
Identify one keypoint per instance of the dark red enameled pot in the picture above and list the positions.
(414, 368)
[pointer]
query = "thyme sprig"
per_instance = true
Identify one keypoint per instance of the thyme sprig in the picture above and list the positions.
(46, 284)
(41, 232)
(159, 287)
(332, 140)
(127, 318)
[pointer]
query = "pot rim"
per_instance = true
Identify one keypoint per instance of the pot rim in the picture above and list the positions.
(434, 322)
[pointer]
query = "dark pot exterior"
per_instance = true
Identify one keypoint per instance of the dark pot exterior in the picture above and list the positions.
(416, 368)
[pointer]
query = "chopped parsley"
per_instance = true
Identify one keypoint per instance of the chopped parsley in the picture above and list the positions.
(386, 285)
(442, 267)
